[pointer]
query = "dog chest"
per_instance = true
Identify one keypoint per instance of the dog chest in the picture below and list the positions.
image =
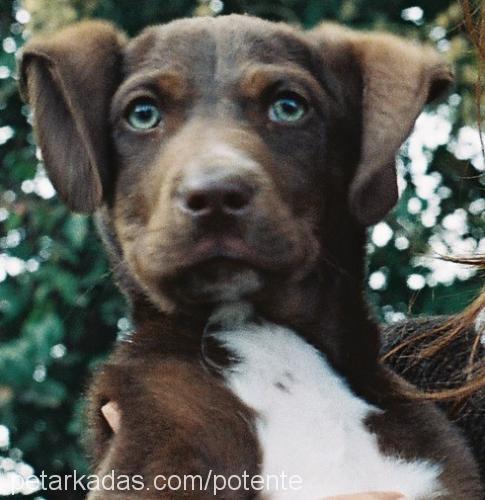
(309, 423)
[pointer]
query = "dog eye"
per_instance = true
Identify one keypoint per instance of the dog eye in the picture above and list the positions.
(288, 107)
(143, 114)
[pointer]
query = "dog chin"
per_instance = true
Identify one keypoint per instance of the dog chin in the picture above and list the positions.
(214, 282)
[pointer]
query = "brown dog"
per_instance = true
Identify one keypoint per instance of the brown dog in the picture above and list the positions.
(234, 165)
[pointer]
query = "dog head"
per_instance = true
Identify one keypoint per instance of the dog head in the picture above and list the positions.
(226, 154)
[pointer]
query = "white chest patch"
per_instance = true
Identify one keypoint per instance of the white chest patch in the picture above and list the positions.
(309, 424)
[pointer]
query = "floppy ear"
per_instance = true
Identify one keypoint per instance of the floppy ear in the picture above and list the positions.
(69, 79)
(398, 78)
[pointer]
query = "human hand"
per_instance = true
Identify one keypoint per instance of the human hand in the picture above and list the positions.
(111, 412)
(376, 495)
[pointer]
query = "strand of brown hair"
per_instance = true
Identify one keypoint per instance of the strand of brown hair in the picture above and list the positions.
(459, 324)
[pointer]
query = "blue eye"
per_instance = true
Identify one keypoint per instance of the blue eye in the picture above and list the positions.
(143, 114)
(288, 107)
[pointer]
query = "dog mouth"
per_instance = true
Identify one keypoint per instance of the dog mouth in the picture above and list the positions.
(217, 268)
(220, 270)
(228, 252)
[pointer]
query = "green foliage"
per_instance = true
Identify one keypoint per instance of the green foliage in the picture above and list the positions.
(59, 310)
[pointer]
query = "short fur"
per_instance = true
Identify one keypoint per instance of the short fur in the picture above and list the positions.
(443, 372)
(297, 251)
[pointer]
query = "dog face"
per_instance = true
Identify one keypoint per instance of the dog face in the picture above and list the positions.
(224, 189)
(226, 153)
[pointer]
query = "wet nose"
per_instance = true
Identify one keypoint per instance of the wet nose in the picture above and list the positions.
(206, 197)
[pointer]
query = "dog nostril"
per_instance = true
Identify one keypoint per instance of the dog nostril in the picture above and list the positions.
(211, 198)
(197, 202)
(235, 201)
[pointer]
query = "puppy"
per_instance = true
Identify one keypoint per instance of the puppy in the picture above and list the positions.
(234, 165)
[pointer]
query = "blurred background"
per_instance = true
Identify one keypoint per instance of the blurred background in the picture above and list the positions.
(59, 309)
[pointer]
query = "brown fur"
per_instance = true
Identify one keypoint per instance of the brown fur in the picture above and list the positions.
(298, 247)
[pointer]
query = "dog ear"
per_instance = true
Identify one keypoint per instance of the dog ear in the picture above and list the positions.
(398, 78)
(69, 79)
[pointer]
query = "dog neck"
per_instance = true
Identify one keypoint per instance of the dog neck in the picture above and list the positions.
(326, 308)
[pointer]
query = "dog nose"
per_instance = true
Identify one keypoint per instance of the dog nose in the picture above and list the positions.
(202, 198)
